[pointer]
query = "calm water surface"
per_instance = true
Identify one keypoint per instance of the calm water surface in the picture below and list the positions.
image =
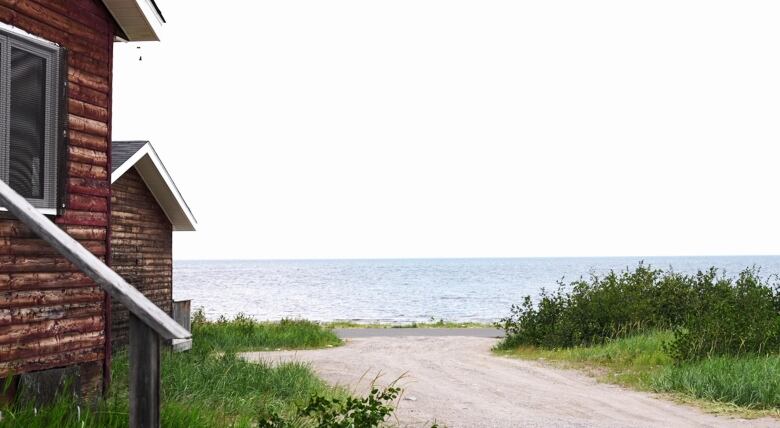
(396, 291)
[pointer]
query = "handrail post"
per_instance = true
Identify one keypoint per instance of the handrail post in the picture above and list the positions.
(148, 323)
(144, 375)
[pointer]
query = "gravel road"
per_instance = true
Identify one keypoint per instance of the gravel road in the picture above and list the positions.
(457, 382)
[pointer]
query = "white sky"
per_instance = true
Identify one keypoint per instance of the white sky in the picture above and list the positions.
(450, 128)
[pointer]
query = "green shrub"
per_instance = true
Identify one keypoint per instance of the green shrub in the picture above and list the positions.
(336, 412)
(614, 306)
(711, 314)
(729, 317)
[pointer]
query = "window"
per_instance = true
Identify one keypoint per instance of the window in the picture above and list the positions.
(31, 116)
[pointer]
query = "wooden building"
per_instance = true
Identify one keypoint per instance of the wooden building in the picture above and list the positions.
(55, 150)
(146, 208)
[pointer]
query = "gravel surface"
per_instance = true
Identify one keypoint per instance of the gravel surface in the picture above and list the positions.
(457, 382)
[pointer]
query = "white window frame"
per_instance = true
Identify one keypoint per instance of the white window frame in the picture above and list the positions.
(11, 37)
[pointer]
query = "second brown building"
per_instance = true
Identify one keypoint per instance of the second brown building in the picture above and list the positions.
(146, 208)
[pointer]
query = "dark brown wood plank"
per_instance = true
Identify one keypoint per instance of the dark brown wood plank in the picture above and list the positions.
(144, 375)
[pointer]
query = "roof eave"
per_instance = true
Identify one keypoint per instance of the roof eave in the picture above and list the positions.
(139, 20)
(160, 183)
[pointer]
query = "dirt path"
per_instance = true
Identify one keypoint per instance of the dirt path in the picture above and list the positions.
(457, 382)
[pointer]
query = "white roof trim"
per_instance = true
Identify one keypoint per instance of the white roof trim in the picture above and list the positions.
(138, 19)
(159, 182)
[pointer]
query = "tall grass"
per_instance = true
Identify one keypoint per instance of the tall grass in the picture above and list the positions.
(631, 361)
(243, 333)
(197, 391)
(640, 361)
(208, 386)
(750, 381)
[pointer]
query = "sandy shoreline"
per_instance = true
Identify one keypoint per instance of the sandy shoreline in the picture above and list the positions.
(353, 333)
(457, 382)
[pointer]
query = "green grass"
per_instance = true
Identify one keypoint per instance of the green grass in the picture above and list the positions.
(632, 361)
(431, 324)
(752, 382)
(245, 334)
(747, 386)
(207, 386)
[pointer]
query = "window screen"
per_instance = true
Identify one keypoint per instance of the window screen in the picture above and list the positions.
(30, 92)
(28, 123)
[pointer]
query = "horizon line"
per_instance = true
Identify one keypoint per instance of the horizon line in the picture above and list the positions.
(466, 258)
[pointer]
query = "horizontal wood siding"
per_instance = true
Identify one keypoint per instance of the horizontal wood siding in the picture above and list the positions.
(51, 315)
(141, 252)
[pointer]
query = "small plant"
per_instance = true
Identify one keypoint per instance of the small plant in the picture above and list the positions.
(199, 316)
(335, 412)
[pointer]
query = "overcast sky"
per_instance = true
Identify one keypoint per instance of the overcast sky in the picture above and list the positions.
(448, 128)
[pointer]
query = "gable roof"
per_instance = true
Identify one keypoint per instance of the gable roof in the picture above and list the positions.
(141, 155)
(140, 20)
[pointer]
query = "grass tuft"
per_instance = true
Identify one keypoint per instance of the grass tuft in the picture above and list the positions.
(243, 333)
(630, 361)
(752, 382)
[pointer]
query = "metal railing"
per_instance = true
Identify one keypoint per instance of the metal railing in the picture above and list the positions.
(148, 323)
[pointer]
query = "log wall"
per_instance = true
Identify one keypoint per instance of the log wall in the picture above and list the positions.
(51, 315)
(141, 252)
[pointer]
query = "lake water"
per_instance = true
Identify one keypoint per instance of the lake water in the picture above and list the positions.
(398, 291)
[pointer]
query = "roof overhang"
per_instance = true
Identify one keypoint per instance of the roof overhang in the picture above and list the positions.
(159, 182)
(140, 20)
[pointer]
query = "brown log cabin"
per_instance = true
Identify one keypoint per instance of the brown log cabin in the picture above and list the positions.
(55, 150)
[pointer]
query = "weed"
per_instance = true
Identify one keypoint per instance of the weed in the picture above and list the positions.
(338, 412)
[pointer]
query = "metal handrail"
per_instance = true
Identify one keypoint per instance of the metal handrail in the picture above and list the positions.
(110, 281)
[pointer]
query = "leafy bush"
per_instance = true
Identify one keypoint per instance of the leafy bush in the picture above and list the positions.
(729, 318)
(710, 314)
(335, 412)
(593, 311)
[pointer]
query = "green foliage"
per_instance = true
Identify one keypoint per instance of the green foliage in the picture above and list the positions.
(590, 312)
(243, 333)
(205, 387)
(710, 314)
(337, 412)
(728, 318)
